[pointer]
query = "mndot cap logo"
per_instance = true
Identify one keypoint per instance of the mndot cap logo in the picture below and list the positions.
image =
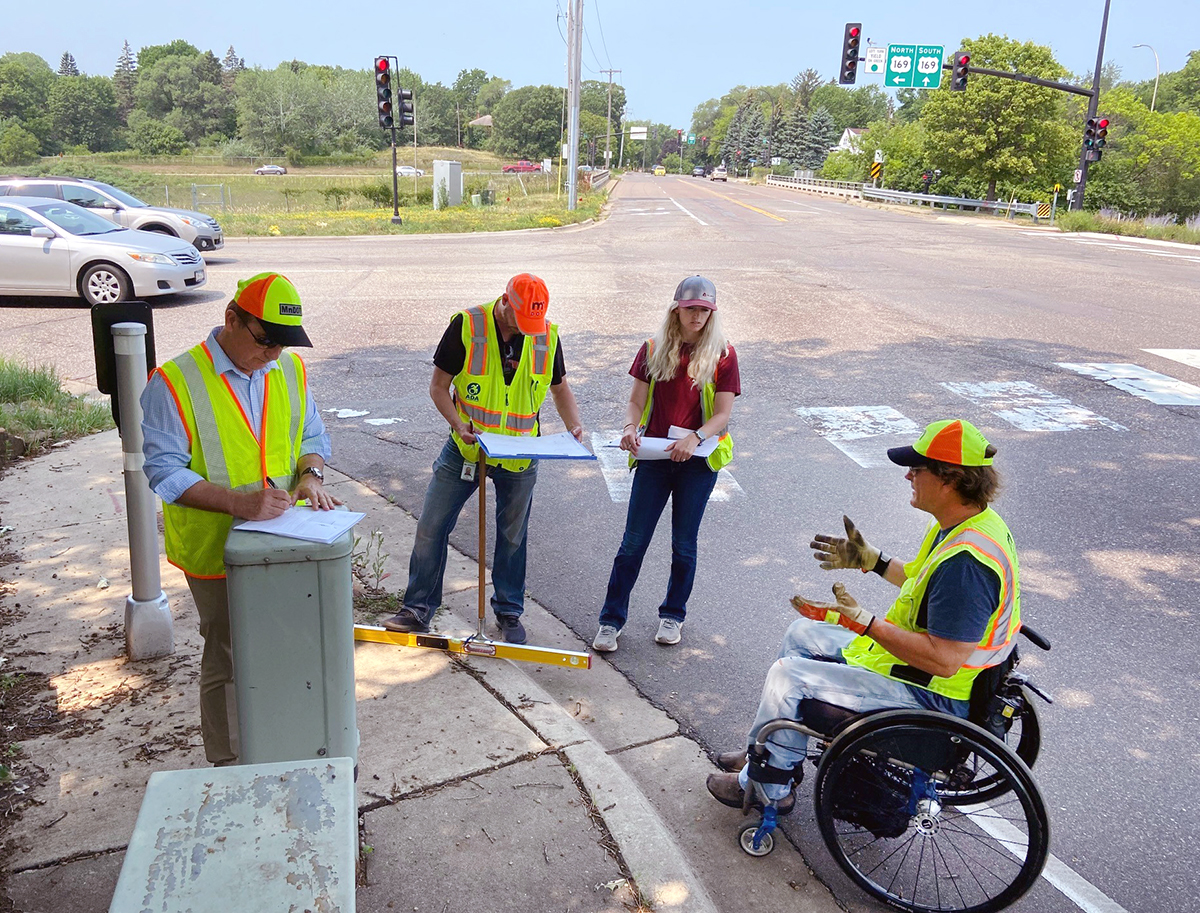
(275, 303)
(529, 299)
(954, 441)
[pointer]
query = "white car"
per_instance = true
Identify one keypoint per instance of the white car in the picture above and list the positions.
(51, 247)
(408, 171)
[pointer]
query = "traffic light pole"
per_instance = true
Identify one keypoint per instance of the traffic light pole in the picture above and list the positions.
(396, 220)
(1077, 200)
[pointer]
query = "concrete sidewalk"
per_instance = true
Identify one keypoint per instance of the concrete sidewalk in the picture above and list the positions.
(483, 784)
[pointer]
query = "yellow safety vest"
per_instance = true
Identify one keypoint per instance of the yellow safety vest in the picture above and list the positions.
(985, 537)
(480, 394)
(708, 395)
(227, 451)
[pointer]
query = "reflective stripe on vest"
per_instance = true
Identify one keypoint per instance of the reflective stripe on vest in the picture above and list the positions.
(226, 451)
(982, 537)
(483, 399)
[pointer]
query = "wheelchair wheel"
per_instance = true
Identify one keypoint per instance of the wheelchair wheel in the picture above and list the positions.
(883, 818)
(984, 783)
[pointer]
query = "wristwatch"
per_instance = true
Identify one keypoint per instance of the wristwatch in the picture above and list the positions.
(314, 471)
(700, 435)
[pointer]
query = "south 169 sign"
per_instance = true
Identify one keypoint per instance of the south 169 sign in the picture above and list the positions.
(917, 66)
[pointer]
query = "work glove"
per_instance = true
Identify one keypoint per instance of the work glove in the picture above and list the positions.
(845, 611)
(835, 553)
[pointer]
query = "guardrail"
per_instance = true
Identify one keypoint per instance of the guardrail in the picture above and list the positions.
(597, 179)
(813, 185)
(863, 192)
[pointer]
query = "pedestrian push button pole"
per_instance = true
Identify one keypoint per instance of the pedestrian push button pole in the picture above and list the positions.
(149, 631)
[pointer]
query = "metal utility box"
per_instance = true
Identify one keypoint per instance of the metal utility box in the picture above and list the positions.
(447, 184)
(292, 627)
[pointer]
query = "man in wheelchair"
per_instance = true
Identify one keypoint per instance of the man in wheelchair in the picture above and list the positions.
(957, 615)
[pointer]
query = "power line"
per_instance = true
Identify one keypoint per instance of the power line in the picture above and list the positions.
(594, 54)
(603, 43)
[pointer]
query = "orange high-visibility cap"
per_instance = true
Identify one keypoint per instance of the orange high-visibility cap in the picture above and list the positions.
(529, 299)
(954, 441)
(275, 303)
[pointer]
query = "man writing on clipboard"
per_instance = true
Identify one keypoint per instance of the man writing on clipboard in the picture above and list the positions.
(492, 371)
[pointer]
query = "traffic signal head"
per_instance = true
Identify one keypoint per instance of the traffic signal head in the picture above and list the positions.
(383, 90)
(404, 108)
(1095, 137)
(850, 44)
(961, 69)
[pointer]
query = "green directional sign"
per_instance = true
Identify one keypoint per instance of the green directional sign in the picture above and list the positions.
(691, 139)
(914, 65)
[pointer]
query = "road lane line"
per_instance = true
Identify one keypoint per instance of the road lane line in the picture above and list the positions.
(1030, 408)
(1189, 357)
(680, 205)
(863, 433)
(614, 464)
(1078, 889)
(1160, 389)
(769, 215)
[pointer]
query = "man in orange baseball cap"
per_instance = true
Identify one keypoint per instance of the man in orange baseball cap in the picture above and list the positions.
(957, 615)
(231, 430)
(491, 372)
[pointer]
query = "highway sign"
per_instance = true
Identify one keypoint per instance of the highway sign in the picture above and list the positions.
(1078, 175)
(876, 60)
(914, 65)
(691, 139)
(637, 133)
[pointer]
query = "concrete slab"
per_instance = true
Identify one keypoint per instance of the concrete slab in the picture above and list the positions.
(707, 833)
(85, 886)
(515, 838)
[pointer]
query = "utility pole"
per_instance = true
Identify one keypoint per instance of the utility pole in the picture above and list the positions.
(574, 59)
(608, 138)
(1093, 102)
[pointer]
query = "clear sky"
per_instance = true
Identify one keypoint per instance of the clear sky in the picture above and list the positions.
(672, 56)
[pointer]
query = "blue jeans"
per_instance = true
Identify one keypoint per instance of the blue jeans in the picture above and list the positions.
(688, 485)
(444, 500)
(810, 665)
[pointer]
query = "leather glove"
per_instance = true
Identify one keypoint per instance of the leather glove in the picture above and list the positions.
(845, 611)
(835, 553)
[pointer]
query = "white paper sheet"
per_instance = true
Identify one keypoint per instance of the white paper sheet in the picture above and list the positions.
(561, 446)
(324, 526)
(655, 448)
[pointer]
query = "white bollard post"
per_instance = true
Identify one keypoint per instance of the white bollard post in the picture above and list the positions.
(148, 627)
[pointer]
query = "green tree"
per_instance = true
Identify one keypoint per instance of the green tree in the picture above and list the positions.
(912, 102)
(804, 85)
(231, 65)
(852, 107)
(281, 108)
(1000, 130)
(819, 138)
(17, 145)
(66, 66)
(187, 93)
(793, 130)
(1178, 90)
(593, 97)
(125, 82)
(83, 112)
(152, 137)
(25, 81)
(527, 122)
(152, 54)
(436, 117)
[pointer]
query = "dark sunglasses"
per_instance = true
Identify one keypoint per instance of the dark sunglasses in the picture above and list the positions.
(262, 341)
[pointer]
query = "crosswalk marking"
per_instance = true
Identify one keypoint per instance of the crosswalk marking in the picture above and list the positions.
(1138, 381)
(863, 433)
(1030, 408)
(614, 464)
(1189, 357)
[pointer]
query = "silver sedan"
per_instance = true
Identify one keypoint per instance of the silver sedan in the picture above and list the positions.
(50, 247)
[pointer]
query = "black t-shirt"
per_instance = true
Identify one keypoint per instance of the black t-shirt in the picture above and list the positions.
(451, 354)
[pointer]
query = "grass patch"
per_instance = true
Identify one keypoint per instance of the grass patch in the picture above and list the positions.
(35, 408)
(1090, 221)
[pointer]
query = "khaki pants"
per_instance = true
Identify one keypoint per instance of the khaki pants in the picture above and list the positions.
(218, 701)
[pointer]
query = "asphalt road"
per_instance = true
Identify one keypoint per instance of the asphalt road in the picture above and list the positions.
(829, 305)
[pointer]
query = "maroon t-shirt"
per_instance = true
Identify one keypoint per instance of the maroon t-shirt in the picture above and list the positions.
(677, 401)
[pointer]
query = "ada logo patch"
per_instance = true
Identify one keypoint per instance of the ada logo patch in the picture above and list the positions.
(289, 310)
(472, 391)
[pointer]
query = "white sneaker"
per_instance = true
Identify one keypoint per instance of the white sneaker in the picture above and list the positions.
(669, 631)
(606, 639)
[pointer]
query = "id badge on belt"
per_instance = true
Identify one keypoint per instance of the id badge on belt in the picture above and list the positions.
(468, 472)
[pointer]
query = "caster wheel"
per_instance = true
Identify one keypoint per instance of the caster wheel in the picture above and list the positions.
(746, 841)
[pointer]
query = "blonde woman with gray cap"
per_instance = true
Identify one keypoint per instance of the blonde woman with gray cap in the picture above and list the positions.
(685, 376)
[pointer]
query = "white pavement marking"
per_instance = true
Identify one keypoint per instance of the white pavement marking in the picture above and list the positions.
(1079, 890)
(614, 463)
(1190, 357)
(384, 421)
(1030, 408)
(863, 433)
(680, 205)
(1139, 381)
(347, 413)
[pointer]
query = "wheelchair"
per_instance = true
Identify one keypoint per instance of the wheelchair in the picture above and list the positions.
(925, 811)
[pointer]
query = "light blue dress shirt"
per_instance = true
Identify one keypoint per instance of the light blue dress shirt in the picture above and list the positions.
(166, 445)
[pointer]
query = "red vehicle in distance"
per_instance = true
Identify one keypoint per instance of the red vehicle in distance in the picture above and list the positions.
(523, 166)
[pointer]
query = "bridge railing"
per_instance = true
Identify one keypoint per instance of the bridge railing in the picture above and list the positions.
(864, 192)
